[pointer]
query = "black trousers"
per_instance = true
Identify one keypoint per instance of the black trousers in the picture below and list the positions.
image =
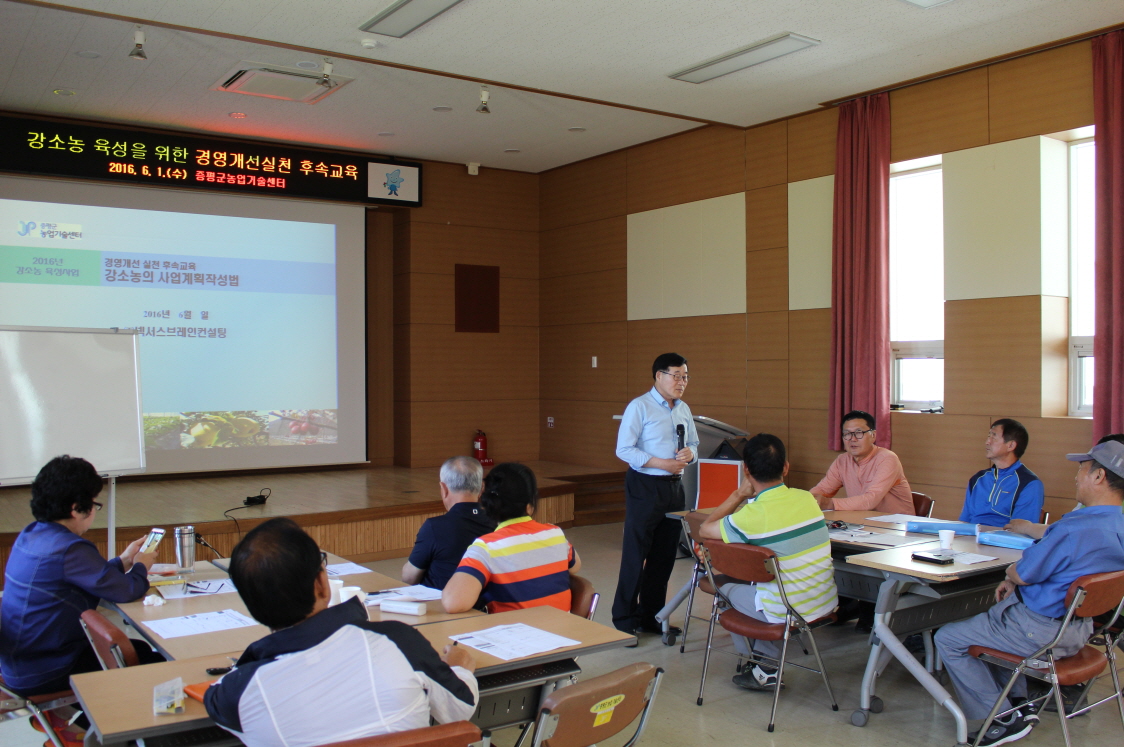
(649, 547)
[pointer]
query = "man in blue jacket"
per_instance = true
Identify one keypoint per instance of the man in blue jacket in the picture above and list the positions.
(1007, 490)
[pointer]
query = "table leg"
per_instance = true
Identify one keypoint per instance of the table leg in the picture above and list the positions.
(886, 642)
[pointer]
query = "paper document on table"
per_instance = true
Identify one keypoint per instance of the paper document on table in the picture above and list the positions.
(346, 569)
(894, 540)
(848, 534)
(903, 518)
(416, 593)
(515, 641)
(197, 588)
(968, 558)
(204, 622)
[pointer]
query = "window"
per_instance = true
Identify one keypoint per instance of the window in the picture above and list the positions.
(917, 284)
(1082, 215)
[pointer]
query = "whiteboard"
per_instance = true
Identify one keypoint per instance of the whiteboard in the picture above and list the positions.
(69, 391)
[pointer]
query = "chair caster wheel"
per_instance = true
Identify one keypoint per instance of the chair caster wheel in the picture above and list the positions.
(876, 705)
(859, 718)
(668, 639)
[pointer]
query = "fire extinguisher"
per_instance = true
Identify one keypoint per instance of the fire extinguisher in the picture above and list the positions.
(480, 449)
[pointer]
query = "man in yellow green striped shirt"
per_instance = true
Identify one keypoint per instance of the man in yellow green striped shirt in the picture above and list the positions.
(790, 523)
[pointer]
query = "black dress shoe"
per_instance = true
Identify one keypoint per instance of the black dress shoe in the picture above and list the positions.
(656, 628)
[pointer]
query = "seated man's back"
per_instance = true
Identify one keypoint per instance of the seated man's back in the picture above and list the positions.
(378, 677)
(326, 674)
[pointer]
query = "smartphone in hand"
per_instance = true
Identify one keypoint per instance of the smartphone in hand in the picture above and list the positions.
(152, 541)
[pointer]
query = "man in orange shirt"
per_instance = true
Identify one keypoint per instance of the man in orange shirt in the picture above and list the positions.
(872, 475)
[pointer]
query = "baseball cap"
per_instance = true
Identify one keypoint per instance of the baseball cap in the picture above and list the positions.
(1110, 455)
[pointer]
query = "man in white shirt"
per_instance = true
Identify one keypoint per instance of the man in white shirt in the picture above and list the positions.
(375, 677)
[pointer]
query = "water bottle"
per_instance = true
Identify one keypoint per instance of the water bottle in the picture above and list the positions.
(185, 549)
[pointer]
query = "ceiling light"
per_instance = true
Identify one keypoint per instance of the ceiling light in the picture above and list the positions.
(63, 92)
(928, 3)
(442, 109)
(512, 150)
(237, 115)
(406, 15)
(138, 50)
(308, 65)
(576, 129)
(739, 59)
(88, 55)
(368, 43)
(483, 108)
(386, 134)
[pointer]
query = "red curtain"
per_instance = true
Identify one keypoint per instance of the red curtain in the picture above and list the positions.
(1108, 346)
(860, 267)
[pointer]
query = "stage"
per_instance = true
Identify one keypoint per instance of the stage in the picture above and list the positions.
(358, 512)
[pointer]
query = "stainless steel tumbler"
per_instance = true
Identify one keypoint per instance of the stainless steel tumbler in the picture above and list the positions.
(185, 549)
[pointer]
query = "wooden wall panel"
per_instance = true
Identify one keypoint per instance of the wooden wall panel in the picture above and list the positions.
(767, 420)
(940, 449)
(436, 247)
(656, 170)
(940, 116)
(565, 362)
(403, 433)
(1055, 356)
(714, 347)
(586, 247)
(801, 480)
(766, 155)
(519, 302)
(380, 336)
(583, 192)
(1050, 440)
(441, 429)
(993, 356)
(811, 145)
(584, 432)
(767, 336)
(767, 385)
(809, 358)
(766, 218)
(401, 365)
(807, 442)
(584, 299)
(1041, 93)
(766, 280)
(452, 366)
(431, 300)
(1058, 507)
(507, 200)
(948, 501)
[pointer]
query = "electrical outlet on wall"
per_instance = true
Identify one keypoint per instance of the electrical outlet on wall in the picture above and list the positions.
(550, 422)
(595, 361)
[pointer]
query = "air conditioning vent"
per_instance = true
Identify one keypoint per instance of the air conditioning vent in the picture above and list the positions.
(274, 82)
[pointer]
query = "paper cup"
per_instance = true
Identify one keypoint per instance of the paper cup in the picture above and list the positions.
(336, 584)
(348, 592)
(946, 536)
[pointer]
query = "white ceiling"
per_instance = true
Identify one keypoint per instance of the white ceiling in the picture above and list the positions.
(615, 51)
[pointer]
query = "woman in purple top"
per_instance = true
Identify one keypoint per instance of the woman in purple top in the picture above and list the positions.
(53, 576)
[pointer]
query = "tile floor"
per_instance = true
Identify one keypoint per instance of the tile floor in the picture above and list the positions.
(731, 716)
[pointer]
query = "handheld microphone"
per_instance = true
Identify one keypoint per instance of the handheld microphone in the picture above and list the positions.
(681, 431)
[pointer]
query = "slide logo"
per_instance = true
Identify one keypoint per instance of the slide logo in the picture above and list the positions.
(26, 228)
(393, 179)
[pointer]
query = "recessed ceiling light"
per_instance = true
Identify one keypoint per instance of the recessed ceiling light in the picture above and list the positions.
(928, 3)
(88, 55)
(740, 59)
(577, 129)
(237, 115)
(368, 43)
(63, 92)
(512, 150)
(386, 134)
(308, 65)
(404, 16)
(442, 108)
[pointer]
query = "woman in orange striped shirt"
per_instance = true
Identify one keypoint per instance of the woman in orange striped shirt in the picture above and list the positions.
(523, 563)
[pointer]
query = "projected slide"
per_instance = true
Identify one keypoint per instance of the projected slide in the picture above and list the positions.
(237, 316)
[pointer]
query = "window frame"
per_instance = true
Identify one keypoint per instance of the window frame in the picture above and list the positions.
(913, 349)
(1080, 346)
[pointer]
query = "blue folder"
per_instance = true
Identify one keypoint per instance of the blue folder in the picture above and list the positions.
(932, 527)
(1006, 539)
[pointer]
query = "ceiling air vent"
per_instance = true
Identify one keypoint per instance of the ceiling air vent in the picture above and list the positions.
(275, 82)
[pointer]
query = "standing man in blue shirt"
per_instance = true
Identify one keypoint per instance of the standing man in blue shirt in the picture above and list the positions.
(649, 442)
(1008, 490)
(1031, 600)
